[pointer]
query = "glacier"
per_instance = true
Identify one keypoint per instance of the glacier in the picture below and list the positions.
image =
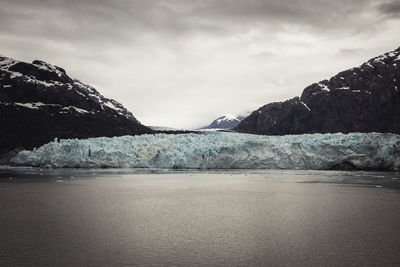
(220, 150)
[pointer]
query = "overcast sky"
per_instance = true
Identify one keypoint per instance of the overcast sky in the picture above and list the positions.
(183, 63)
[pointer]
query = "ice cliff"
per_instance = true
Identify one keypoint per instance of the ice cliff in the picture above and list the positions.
(220, 151)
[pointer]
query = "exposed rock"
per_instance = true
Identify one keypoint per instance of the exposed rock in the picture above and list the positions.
(39, 102)
(361, 99)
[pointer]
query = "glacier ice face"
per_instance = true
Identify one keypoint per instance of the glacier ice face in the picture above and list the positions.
(219, 150)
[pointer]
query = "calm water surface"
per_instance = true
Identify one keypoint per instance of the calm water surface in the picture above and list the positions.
(220, 218)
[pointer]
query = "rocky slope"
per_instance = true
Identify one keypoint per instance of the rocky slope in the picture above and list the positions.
(39, 102)
(361, 99)
(224, 122)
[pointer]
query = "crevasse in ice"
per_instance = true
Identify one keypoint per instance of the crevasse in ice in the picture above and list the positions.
(220, 151)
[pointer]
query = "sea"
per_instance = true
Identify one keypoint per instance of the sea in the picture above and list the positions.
(157, 217)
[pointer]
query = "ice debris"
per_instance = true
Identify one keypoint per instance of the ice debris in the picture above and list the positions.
(216, 150)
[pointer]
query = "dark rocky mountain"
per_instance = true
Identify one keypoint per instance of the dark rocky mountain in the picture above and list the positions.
(39, 102)
(361, 99)
(224, 122)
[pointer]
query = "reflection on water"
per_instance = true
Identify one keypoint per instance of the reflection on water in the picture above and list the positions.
(355, 178)
(179, 217)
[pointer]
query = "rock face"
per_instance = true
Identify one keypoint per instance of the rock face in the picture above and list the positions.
(39, 102)
(224, 122)
(361, 99)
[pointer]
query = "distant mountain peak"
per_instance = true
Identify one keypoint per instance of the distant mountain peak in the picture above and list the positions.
(227, 121)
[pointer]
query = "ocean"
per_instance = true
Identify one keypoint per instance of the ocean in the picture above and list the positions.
(153, 217)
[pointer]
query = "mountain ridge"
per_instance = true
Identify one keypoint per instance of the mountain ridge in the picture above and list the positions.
(39, 102)
(361, 99)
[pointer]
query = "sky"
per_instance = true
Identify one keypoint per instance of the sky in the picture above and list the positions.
(183, 63)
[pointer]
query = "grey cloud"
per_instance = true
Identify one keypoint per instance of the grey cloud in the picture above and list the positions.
(296, 11)
(102, 19)
(350, 51)
(390, 8)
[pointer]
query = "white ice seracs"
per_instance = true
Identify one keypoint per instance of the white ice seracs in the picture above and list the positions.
(220, 151)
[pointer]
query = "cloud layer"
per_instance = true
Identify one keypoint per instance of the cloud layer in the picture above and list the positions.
(183, 63)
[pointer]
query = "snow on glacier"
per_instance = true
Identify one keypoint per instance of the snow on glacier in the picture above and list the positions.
(217, 150)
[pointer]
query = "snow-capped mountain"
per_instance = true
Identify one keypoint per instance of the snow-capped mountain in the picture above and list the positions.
(39, 101)
(224, 122)
(49, 81)
(361, 99)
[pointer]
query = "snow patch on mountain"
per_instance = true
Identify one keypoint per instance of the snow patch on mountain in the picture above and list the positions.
(104, 102)
(305, 105)
(38, 105)
(228, 117)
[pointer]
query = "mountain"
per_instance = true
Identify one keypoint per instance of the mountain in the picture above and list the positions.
(361, 99)
(39, 102)
(224, 122)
